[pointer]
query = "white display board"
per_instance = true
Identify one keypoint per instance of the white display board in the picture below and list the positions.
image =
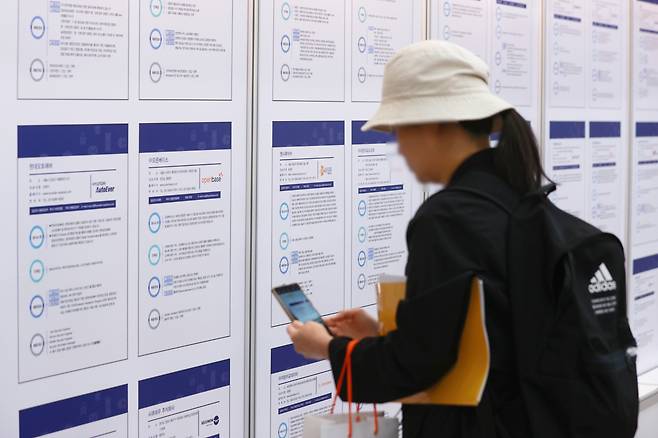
(506, 35)
(124, 231)
(332, 202)
(586, 108)
(126, 131)
(644, 183)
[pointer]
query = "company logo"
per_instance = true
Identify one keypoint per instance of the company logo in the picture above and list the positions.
(103, 187)
(210, 421)
(213, 178)
(602, 281)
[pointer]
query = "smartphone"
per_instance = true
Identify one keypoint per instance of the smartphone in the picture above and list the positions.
(296, 304)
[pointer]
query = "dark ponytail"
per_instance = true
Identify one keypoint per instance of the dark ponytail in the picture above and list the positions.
(517, 159)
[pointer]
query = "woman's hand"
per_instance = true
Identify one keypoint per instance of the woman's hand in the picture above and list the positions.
(311, 340)
(353, 323)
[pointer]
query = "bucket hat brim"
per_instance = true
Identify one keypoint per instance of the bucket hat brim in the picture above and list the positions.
(435, 109)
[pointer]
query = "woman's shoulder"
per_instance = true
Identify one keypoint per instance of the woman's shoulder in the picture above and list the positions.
(449, 204)
(451, 215)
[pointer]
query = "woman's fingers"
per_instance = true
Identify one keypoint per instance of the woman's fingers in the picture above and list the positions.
(310, 340)
(339, 330)
(293, 329)
(343, 316)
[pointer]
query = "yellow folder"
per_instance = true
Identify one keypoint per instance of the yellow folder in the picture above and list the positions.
(464, 384)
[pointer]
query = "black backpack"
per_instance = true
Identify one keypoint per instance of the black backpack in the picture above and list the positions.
(575, 353)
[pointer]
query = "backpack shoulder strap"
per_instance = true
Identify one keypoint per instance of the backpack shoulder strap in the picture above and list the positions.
(490, 187)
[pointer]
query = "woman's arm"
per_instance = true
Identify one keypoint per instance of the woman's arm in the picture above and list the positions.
(424, 346)
(429, 322)
(413, 357)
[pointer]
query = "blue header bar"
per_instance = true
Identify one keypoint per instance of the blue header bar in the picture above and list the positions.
(369, 137)
(605, 25)
(511, 3)
(604, 129)
(66, 140)
(567, 18)
(646, 129)
(645, 30)
(654, 2)
(558, 130)
(73, 412)
(305, 403)
(179, 384)
(186, 197)
(645, 264)
(307, 133)
(67, 208)
(285, 358)
(173, 137)
(567, 167)
(306, 186)
(606, 164)
(391, 188)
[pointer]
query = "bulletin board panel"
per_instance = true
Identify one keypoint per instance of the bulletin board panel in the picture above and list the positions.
(332, 202)
(643, 222)
(124, 170)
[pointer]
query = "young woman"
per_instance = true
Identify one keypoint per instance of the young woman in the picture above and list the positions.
(437, 101)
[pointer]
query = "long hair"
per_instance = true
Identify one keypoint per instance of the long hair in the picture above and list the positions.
(517, 159)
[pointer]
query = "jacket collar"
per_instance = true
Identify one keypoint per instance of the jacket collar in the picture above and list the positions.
(482, 161)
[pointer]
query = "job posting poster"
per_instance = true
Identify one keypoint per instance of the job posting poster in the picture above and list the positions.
(607, 22)
(512, 66)
(566, 162)
(97, 414)
(185, 49)
(308, 211)
(566, 53)
(464, 22)
(189, 403)
(379, 29)
(308, 44)
(299, 387)
(73, 49)
(72, 246)
(184, 234)
(607, 169)
(645, 54)
(381, 208)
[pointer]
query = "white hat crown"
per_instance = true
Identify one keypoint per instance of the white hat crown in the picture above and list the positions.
(434, 81)
(434, 68)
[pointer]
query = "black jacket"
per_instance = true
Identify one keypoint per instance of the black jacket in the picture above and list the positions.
(452, 233)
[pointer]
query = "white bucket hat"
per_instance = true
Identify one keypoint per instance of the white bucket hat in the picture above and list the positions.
(433, 82)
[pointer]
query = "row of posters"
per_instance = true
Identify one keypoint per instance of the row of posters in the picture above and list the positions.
(128, 238)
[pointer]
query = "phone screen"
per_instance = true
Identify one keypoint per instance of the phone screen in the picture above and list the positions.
(296, 305)
(299, 305)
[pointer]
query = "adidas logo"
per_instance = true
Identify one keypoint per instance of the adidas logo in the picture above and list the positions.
(602, 281)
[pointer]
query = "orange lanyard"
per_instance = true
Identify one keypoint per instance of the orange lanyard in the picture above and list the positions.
(347, 370)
